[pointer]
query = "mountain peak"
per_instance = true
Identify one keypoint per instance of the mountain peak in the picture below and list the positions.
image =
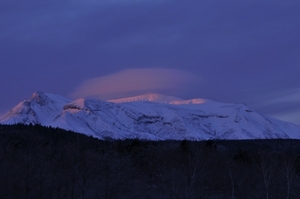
(191, 101)
(159, 98)
(41, 107)
(39, 97)
(151, 97)
(37, 94)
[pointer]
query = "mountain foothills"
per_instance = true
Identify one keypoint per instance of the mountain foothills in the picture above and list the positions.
(150, 117)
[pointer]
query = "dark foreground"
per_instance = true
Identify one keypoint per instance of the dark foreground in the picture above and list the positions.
(39, 162)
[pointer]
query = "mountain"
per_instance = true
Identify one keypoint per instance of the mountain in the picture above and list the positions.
(151, 117)
(40, 108)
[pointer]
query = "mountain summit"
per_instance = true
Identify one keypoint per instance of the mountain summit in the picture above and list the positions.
(153, 97)
(151, 117)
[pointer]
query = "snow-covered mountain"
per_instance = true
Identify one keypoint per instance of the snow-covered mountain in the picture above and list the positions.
(153, 117)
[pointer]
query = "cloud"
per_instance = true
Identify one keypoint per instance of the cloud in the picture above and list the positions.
(291, 116)
(283, 104)
(137, 81)
(278, 96)
(288, 96)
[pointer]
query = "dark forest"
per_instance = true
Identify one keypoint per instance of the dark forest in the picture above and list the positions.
(44, 162)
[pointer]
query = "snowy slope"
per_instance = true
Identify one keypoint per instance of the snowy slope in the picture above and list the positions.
(40, 108)
(153, 117)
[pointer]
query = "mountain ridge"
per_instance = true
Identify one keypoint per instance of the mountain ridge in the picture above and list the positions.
(150, 117)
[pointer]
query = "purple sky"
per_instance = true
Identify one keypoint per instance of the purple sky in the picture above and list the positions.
(230, 51)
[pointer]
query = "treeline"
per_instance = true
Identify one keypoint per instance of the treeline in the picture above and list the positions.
(40, 162)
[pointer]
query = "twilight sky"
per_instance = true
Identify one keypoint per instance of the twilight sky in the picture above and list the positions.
(230, 51)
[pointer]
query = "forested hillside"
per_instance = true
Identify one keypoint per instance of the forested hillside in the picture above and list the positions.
(40, 162)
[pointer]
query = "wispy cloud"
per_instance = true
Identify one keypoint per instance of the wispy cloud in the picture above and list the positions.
(289, 116)
(137, 81)
(282, 104)
(290, 95)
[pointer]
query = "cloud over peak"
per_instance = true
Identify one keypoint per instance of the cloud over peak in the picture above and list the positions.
(136, 81)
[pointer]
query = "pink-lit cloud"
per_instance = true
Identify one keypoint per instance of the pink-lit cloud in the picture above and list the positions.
(137, 81)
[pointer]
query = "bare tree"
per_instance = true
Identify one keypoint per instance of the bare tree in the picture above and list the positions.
(265, 169)
(289, 173)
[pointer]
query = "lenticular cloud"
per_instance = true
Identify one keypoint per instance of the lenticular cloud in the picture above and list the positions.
(136, 81)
